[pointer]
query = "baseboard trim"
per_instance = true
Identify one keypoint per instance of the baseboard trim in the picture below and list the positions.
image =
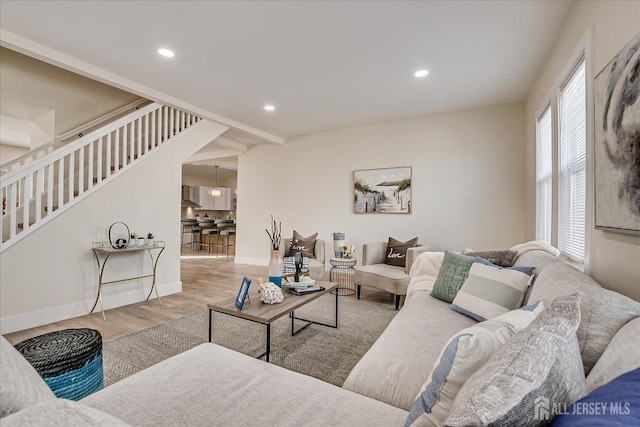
(55, 314)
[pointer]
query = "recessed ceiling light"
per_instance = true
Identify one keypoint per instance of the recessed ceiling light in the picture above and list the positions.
(166, 52)
(421, 73)
(269, 107)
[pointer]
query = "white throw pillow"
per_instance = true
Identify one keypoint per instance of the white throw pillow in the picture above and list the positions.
(464, 354)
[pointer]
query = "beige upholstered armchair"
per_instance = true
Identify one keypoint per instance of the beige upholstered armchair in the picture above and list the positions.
(375, 273)
(316, 265)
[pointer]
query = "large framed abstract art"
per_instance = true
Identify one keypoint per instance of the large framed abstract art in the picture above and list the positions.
(617, 142)
(382, 191)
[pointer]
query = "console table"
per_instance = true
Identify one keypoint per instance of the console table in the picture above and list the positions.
(103, 250)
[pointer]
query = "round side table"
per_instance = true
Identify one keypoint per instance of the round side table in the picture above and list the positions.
(342, 272)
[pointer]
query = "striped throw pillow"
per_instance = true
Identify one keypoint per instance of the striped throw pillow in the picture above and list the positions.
(490, 290)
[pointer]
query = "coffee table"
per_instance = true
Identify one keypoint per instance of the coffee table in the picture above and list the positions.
(258, 312)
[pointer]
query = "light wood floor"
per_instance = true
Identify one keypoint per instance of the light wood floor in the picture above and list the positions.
(204, 279)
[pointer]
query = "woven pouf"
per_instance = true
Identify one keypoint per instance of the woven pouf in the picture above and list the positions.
(70, 361)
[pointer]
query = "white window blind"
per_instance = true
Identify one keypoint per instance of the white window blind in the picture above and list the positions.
(544, 177)
(572, 164)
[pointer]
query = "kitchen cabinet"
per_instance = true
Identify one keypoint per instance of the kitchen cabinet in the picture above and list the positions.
(210, 203)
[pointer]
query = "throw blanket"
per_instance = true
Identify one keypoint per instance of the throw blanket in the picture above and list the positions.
(535, 245)
(424, 271)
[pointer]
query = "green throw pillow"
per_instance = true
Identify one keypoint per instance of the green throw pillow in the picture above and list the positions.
(452, 275)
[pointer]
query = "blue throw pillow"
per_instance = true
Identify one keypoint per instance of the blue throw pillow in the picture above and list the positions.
(616, 403)
(526, 270)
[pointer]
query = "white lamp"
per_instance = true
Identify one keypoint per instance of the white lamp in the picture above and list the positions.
(216, 192)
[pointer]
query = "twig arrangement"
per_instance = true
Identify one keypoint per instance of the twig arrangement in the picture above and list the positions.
(275, 235)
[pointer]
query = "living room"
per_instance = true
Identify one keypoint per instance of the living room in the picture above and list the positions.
(473, 173)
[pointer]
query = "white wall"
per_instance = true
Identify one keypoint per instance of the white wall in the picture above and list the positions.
(468, 183)
(615, 258)
(52, 275)
(33, 87)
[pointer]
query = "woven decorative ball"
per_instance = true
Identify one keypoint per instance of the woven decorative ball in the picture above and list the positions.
(70, 361)
(270, 293)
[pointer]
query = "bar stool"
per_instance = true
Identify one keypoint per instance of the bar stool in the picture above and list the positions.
(225, 234)
(189, 228)
(207, 229)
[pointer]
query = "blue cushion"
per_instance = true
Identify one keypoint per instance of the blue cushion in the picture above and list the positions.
(616, 403)
(526, 270)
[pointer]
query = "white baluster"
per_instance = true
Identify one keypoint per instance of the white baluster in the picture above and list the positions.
(90, 166)
(61, 182)
(139, 139)
(81, 160)
(108, 151)
(39, 183)
(99, 161)
(116, 151)
(12, 209)
(25, 202)
(72, 172)
(50, 188)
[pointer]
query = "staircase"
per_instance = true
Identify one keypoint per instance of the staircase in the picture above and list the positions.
(53, 181)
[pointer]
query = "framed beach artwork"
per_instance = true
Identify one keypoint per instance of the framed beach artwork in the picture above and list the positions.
(617, 142)
(382, 191)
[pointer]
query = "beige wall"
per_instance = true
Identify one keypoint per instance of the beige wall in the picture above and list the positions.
(10, 152)
(614, 258)
(468, 183)
(52, 275)
(29, 87)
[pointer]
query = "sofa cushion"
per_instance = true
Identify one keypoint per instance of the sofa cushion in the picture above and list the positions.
(453, 272)
(384, 277)
(465, 353)
(63, 413)
(540, 363)
(490, 290)
(399, 362)
(622, 355)
(212, 385)
(304, 245)
(396, 253)
(503, 257)
(615, 404)
(603, 312)
(20, 385)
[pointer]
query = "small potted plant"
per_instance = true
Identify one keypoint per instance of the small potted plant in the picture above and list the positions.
(149, 238)
(133, 241)
(140, 240)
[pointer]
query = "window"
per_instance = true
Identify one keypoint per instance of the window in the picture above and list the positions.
(544, 194)
(572, 143)
(563, 132)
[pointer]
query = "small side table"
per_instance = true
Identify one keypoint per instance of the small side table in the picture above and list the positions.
(342, 272)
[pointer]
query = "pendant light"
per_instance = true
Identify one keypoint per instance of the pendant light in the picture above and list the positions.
(216, 192)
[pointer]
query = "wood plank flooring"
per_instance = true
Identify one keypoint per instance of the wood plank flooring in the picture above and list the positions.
(204, 280)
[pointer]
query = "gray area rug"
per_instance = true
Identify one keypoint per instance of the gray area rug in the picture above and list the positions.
(325, 353)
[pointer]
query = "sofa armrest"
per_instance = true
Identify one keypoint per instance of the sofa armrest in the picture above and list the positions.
(319, 250)
(412, 254)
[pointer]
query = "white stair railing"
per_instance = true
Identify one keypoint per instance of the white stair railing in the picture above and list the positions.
(46, 187)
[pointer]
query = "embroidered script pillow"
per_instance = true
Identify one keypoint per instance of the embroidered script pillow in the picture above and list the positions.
(397, 251)
(304, 245)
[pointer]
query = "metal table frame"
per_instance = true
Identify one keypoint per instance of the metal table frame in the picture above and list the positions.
(222, 308)
(102, 248)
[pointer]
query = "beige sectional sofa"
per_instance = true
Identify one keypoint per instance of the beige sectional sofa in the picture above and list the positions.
(211, 385)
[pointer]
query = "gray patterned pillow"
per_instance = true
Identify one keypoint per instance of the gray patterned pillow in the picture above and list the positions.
(537, 371)
(502, 257)
(453, 272)
(20, 385)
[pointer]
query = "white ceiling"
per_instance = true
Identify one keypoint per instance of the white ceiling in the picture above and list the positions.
(324, 65)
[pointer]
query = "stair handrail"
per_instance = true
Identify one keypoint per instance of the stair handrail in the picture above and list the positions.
(34, 197)
(67, 149)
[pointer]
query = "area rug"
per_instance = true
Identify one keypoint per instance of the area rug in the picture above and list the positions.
(325, 353)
